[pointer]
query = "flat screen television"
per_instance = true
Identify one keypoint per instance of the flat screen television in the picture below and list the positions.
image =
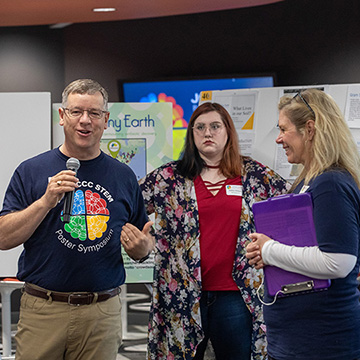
(184, 95)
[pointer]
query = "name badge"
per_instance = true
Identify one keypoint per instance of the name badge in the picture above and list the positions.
(234, 190)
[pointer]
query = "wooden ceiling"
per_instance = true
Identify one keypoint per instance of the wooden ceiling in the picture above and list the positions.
(61, 12)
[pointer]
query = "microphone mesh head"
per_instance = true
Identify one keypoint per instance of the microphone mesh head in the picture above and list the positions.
(73, 164)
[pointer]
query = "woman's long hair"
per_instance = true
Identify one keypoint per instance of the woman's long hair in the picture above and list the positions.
(332, 144)
(191, 164)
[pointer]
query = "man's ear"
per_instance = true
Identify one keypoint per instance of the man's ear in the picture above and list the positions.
(107, 115)
(61, 116)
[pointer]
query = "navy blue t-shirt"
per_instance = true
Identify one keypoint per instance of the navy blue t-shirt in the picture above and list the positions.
(325, 324)
(84, 255)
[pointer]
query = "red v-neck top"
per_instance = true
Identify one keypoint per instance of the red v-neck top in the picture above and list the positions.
(219, 217)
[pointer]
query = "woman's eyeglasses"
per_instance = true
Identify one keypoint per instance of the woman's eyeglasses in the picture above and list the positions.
(214, 128)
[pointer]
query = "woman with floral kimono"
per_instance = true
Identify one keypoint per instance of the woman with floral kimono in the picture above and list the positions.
(203, 287)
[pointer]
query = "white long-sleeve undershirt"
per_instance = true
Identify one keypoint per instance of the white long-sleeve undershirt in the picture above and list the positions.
(308, 261)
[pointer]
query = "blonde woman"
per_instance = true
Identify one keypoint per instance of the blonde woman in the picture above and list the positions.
(326, 324)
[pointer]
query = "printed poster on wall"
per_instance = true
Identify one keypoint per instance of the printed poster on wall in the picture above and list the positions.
(139, 135)
(352, 107)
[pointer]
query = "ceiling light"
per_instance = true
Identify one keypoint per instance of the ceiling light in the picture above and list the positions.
(104, 9)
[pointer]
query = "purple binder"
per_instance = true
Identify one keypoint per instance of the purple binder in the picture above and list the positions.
(289, 220)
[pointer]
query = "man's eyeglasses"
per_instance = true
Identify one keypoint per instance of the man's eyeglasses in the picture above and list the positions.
(214, 128)
(76, 113)
(305, 102)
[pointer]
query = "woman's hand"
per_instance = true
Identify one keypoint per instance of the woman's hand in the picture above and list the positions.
(254, 249)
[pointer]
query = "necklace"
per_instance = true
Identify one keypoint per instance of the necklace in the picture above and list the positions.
(212, 166)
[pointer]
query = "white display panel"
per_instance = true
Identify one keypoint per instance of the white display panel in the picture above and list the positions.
(25, 131)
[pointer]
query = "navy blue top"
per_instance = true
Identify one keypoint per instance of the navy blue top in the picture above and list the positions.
(85, 254)
(325, 324)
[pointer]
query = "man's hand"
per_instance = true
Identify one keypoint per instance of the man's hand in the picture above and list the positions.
(17, 227)
(136, 243)
(61, 183)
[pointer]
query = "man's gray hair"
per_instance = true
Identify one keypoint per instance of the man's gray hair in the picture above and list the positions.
(84, 86)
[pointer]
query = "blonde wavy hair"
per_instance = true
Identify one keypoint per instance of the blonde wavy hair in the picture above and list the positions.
(333, 144)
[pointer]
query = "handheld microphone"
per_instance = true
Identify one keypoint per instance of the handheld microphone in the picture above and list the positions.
(72, 164)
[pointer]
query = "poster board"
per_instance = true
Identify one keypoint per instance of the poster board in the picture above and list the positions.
(25, 131)
(255, 115)
(139, 135)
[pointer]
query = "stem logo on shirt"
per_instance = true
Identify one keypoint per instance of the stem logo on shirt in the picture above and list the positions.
(89, 216)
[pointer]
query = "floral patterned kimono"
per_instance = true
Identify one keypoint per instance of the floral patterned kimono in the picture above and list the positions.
(175, 320)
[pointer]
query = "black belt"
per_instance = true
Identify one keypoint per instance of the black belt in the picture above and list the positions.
(75, 298)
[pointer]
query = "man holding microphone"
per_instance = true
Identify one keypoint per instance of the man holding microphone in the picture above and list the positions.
(71, 263)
